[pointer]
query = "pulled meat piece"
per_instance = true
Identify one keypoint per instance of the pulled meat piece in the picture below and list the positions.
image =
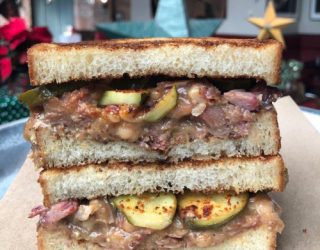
(38, 210)
(199, 109)
(56, 213)
(119, 239)
(169, 243)
(177, 229)
(203, 239)
(157, 136)
(228, 121)
(268, 212)
(214, 117)
(266, 94)
(73, 109)
(95, 206)
(117, 233)
(246, 100)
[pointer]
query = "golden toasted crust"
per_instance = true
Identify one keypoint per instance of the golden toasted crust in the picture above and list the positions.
(227, 174)
(151, 43)
(283, 176)
(54, 55)
(277, 136)
(278, 61)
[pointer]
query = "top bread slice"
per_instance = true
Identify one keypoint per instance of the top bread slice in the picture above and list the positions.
(172, 57)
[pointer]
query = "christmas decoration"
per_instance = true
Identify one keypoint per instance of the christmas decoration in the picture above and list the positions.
(291, 70)
(10, 107)
(15, 39)
(170, 21)
(290, 80)
(270, 25)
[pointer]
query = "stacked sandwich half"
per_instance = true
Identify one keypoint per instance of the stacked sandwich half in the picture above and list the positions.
(156, 143)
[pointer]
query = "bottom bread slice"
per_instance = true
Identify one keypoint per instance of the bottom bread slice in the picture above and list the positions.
(228, 174)
(260, 238)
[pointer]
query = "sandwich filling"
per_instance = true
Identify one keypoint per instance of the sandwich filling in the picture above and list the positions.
(171, 113)
(161, 221)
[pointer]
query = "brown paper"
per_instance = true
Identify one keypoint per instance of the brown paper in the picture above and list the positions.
(300, 201)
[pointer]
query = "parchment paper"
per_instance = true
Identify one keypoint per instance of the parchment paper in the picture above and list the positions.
(300, 201)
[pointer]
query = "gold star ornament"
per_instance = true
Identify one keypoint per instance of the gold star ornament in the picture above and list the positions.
(270, 25)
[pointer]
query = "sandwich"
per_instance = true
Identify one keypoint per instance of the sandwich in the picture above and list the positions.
(156, 143)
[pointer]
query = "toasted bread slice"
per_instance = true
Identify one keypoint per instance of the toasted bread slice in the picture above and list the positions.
(228, 174)
(174, 57)
(50, 150)
(260, 238)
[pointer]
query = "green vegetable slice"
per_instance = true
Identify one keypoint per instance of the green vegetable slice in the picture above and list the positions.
(212, 210)
(37, 96)
(154, 211)
(119, 97)
(163, 107)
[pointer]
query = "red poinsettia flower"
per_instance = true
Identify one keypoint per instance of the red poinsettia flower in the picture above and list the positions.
(3, 50)
(40, 34)
(5, 68)
(18, 40)
(12, 29)
(14, 41)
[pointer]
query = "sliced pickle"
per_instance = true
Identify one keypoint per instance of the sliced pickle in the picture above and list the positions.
(154, 211)
(163, 107)
(37, 96)
(118, 97)
(210, 211)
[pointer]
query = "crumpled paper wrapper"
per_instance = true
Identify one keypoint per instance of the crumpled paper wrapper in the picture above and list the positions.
(300, 201)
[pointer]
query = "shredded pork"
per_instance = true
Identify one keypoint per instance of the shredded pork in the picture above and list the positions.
(56, 213)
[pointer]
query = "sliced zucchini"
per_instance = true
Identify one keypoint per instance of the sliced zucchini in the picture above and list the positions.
(163, 107)
(154, 211)
(119, 97)
(212, 210)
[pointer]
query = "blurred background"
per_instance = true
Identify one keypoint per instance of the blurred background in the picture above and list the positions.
(26, 22)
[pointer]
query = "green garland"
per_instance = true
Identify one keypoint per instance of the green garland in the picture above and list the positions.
(10, 107)
(290, 71)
